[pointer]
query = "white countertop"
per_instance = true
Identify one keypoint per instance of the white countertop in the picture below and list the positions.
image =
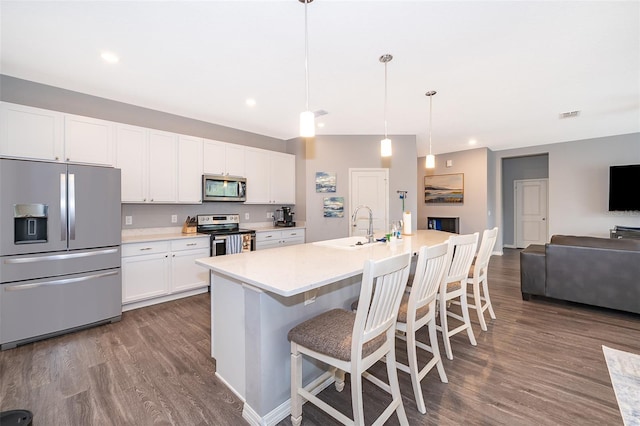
(141, 235)
(292, 270)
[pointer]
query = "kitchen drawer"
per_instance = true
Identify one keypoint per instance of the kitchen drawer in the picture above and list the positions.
(190, 243)
(293, 233)
(136, 249)
(268, 236)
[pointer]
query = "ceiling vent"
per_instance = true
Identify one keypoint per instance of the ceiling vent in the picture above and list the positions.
(569, 114)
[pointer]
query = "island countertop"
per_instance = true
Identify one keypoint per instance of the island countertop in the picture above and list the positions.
(292, 270)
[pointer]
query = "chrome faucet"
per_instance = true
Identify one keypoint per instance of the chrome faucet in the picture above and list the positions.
(370, 230)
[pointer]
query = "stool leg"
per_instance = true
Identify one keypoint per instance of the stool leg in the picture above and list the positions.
(296, 383)
(445, 330)
(477, 301)
(339, 379)
(413, 369)
(392, 373)
(356, 396)
(467, 321)
(435, 350)
(485, 287)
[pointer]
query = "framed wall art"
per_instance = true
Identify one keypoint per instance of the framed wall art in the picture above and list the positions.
(444, 189)
(333, 207)
(325, 181)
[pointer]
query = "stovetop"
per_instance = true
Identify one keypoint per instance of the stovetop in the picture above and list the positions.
(225, 224)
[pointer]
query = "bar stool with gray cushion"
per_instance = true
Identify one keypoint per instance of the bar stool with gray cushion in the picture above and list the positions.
(461, 250)
(478, 275)
(352, 342)
(418, 308)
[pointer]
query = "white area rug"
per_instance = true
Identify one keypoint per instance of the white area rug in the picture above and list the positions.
(624, 370)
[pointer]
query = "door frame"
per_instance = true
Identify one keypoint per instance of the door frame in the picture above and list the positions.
(352, 205)
(515, 207)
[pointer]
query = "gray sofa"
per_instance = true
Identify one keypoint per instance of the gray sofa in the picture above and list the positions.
(596, 271)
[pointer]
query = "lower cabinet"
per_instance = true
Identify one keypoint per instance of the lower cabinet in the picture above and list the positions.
(271, 239)
(159, 271)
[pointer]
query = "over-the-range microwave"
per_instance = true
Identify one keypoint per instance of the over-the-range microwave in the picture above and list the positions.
(223, 188)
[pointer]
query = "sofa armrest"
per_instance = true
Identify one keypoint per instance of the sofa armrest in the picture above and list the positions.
(532, 271)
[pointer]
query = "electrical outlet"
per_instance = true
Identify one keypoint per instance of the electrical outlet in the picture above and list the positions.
(246, 216)
(269, 215)
(310, 296)
(128, 220)
(174, 218)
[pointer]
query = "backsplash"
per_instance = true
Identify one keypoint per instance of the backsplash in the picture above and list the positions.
(159, 215)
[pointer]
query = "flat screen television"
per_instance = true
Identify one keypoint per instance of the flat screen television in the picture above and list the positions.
(624, 188)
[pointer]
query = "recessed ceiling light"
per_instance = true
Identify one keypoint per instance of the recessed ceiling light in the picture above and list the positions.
(110, 57)
(250, 102)
(472, 141)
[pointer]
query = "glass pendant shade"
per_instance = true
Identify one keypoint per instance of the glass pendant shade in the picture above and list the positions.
(307, 124)
(385, 147)
(430, 162)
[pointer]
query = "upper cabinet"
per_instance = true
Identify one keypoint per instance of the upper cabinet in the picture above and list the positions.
(148, 163)
(132, 160)
(29, 132)
(221, 158)
(271, 177)
(89, 140)
(189, 169)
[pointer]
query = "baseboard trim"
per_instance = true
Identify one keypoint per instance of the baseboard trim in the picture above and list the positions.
(279, 413)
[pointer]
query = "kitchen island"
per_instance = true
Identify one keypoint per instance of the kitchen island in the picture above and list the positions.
(258, 296)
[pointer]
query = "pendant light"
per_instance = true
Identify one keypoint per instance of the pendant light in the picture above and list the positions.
(385, 144)
(307, 118)
(430, 161)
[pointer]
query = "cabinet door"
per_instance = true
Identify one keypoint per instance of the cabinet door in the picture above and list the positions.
(258, 176)
(162, 167)
(283, 178)
(235, 160)
(131, 159)
(214, 157)
(88, 140)
(186, 275)
(189, 170)
(144, 277)
(29, 132)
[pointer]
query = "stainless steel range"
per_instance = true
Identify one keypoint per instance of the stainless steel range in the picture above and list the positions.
(226, 235)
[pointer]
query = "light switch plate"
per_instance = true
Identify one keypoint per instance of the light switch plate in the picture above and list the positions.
(246, 216)
(174, 218)
(128, 220)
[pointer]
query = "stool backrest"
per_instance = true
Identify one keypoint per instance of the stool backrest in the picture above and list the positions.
(429, 272)
(461, 250)
(383, 283)
(489, 237)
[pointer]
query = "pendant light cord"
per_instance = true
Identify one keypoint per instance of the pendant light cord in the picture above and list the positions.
(385, 100)
(430, 120)
(306, 54)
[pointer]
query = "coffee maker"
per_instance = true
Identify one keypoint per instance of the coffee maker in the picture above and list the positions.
(284, 217)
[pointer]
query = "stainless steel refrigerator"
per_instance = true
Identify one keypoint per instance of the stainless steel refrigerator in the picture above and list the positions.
(59, 249)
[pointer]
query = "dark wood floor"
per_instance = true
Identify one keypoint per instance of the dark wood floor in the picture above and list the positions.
(540, 363)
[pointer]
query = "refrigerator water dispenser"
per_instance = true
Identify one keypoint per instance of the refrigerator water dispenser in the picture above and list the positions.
(30, 223)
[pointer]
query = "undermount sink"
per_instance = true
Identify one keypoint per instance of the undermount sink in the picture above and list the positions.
(348, 243)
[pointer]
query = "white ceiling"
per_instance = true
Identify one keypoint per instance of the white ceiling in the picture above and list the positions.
(504, 71)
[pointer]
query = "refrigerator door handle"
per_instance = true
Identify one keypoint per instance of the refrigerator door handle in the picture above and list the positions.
(72, 206)
(63, 206)
(59, 256)
(58, 282)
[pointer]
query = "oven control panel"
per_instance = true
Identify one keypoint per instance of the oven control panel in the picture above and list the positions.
(211, 219)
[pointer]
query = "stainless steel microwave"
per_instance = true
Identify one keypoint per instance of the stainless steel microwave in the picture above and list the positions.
(223, 188)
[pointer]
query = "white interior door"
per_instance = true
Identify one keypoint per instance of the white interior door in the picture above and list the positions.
(368, 187)
(530, 212)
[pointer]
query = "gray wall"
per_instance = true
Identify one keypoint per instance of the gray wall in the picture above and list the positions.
(517, 168)
(338, 154)
(474, 211)
(38, 95)
(579, 183)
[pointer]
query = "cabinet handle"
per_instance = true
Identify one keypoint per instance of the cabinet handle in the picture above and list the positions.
(166, 255)
(174, 255)
(57, 158)
(68, 159)
(293, 234)
(268, 236)
(144, 199)
(192, 244)
(152, 200)
(146, 248)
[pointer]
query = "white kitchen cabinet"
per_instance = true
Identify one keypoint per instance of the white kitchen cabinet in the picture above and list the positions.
(271, 177)
(146, 270)
(221, 158)
(132, 160)
(189, 169)
(159, 271)
(279, 238)
(28, 132)
(162, 167)
(88, 140)
(185, 274)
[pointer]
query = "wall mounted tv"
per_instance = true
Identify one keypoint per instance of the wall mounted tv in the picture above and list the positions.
(624, 188)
